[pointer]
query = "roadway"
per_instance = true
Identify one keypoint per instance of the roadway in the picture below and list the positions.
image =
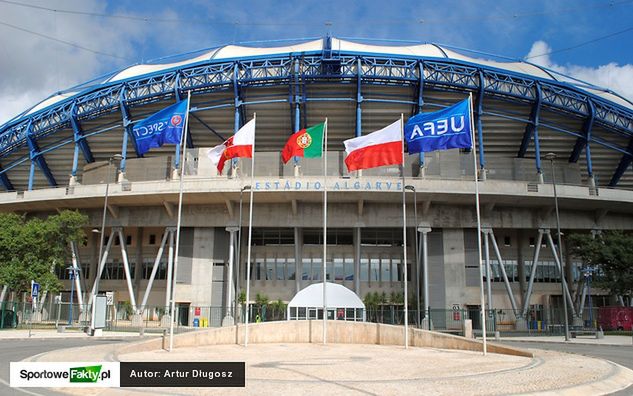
(14, 350)
(620, 354)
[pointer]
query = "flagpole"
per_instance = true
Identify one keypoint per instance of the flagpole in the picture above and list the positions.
(250, 235)
(325, 233)
(404, 241)
(177, 250)
(481, 275)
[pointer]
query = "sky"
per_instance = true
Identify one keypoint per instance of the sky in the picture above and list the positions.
(51, 45)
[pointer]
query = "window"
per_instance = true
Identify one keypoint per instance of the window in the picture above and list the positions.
(317, 269)
(152, 239)
(338, 269)
(128, 240)
(290, 269)
(374, 269)
(270, 263)
(364, 269)
(506, 241)
(161, 272)
(381, 237)
(273, 236)
(385, 270)
(349, 269)
(280, 269)
(532, 242)
(335, 236)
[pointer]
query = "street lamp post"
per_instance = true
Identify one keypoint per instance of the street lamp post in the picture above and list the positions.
(115, 157)
(417, 254)
(551, 157)
(239, 245)
(72, 274)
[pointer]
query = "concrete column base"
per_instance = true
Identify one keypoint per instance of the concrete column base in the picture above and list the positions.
(422, 172)
(97, 333)
(468, 328)
(73, 181)
(175, 174)
(165, 321)
(540, 178)
(425, 324)
(482, 174)
(137, 320)
(520, 324)
(228, 321)
(121, 177)
(577, 321)
(36, 317)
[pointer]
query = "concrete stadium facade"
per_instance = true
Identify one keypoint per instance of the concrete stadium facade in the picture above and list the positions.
(58, 155)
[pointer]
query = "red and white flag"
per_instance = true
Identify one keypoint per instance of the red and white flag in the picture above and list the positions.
(380, 148)
(238, 145)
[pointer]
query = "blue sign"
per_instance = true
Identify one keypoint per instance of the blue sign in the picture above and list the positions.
(35, 289)
(160, 128)
(441, 130)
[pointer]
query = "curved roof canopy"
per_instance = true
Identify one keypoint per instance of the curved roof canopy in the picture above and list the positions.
(229, 52)
(338, 296)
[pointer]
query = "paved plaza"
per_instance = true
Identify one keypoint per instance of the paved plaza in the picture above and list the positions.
(308, 369)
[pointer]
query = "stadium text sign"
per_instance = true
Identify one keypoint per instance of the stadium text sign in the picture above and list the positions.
(317, 185)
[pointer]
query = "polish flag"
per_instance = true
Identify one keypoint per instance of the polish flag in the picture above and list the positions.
(238, 145)
(380, 148)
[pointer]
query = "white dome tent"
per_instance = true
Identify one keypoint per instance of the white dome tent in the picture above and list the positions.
(342, 303)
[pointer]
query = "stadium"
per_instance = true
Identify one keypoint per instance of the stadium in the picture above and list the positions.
(76, 150)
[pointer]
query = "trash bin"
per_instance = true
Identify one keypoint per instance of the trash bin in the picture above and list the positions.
(196, 322)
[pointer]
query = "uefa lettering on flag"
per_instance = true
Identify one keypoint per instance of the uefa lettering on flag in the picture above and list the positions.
(440, 130)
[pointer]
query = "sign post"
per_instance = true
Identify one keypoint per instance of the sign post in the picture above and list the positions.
(35, 292)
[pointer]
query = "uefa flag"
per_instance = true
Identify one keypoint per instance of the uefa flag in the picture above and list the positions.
(160, 128)
(440, 130)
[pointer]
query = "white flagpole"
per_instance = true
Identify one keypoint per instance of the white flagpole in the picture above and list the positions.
(481, 274)
(325, 232)
(183, 142)
(250, 235)
(404, 241)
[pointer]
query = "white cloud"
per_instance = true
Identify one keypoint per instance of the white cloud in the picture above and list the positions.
(34, 67)
(618, 78)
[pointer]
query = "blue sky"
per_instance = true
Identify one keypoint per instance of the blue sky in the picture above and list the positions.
(103, 36)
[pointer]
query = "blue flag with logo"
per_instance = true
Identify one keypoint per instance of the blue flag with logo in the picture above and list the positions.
(441, 130)
(160, 128)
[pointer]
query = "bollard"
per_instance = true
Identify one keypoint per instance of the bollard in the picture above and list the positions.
(141, 331)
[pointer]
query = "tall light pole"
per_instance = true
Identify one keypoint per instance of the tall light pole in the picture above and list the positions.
(72, 273)
(239, 246)
(115, 157)
(551, 157)
(417, 254)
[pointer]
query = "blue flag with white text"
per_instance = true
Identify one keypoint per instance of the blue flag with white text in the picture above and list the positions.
(160, 128)
(440, 130)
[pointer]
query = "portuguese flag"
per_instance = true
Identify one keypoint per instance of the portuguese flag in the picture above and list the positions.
(306, 143)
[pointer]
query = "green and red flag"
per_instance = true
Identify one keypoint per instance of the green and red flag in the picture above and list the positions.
(306, 143)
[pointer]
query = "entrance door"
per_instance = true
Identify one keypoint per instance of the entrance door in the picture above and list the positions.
(183, 314)
(474, 314)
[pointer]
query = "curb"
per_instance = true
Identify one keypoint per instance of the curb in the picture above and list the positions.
(562, 342)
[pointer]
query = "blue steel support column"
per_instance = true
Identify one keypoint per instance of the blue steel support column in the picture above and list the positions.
(533, 123)
(4, 179)
(480, 132)
(584, 142)
(37, 158)
(297, 111)
(624, 164)
(359, 99)
(531, 131)
(127, 132)
(238, 103)
(420, 104)
(80, 144)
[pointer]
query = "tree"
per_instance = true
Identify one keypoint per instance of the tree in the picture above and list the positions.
(32, 249)
(611, 253)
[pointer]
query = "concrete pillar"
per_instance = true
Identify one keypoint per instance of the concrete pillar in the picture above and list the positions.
(138, 270)
(94, 258)
(298, 258)
(228, 278)
(520, 264)
(424, 253)
(357, 231)
(454, 270)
